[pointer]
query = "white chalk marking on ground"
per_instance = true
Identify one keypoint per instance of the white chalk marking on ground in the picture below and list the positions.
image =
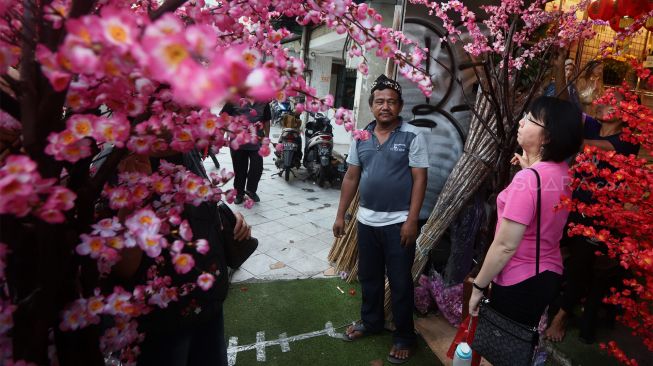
(283, 342)
(330, 331)
(232, 351)
(260, 346)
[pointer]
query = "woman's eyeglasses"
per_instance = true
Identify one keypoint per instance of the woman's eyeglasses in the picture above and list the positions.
(530, 119)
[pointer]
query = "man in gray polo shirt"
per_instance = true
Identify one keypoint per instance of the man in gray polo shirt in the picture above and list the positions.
(389, 170)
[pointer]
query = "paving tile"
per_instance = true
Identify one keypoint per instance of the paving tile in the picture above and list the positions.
(325, 224)
(291, 235)
(267, 243)
(309, 265)
(274, 214)
(241, 275)
(285, 273)
(312, 204)
(323, 254)
(258, 263)
(312, 245)
(253, 218)
(287, 254)
(311, 228)
(269, 227)
(327, 238)
(294, 209)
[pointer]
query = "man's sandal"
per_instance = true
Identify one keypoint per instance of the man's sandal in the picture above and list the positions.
(354, 332)
(397, 347)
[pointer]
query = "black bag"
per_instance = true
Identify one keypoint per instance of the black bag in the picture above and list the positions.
(499, 339)
(236, 252)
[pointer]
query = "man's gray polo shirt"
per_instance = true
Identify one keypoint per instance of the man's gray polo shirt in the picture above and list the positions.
(386, 180)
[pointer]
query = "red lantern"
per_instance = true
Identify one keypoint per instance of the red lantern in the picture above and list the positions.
(631, 8)
(593, 10)
(619, 24)
(606, 9)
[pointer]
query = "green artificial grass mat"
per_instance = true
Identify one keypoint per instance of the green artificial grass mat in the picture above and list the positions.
(301, 306)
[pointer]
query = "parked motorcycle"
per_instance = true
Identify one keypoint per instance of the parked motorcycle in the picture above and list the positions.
(279, 110)
(290, 155)
(319, 148)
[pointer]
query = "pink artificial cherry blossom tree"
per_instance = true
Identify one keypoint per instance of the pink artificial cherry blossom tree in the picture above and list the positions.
(140, 76)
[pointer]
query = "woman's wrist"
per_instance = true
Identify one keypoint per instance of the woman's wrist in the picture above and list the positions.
(480, 288)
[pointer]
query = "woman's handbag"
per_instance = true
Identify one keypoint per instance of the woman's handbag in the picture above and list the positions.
(236, 252)
(499, 339)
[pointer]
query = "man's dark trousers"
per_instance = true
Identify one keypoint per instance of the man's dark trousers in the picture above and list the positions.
(380, 250)
(248, 167)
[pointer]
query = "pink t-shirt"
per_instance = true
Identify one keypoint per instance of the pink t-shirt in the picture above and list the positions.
(518, 203)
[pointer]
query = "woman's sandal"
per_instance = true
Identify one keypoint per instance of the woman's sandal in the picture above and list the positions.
(397, 347)
(354, 332)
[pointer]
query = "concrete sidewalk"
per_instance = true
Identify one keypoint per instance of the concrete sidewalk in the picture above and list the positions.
(292, 223)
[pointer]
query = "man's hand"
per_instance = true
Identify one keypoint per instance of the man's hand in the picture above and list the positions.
(242, 231)
(408, 233)
(339, 227)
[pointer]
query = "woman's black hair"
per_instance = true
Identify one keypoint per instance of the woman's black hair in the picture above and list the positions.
(563, 127)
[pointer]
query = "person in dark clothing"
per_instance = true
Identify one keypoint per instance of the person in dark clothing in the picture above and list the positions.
(587, 275)
(190, 331)
(248, 164)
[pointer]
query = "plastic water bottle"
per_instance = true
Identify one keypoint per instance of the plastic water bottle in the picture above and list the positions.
(463, 355)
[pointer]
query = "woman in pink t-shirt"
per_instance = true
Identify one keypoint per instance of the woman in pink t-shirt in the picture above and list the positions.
(549, 133)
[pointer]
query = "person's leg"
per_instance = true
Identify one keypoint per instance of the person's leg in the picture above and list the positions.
(371, 274)
(208, 345)
(525, 301)
(399, 263)
(602, 280)
(255, 171)
(239, 160)
(578, 268)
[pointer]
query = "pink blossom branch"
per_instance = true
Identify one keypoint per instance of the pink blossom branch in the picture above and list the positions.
(167, 7)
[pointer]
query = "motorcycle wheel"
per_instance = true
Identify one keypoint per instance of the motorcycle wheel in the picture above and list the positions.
(321, 176)
(287, 174)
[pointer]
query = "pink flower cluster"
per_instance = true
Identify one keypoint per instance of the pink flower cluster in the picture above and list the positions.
(494, 37)
(73, 144)
(120, 55)
(147, 85)
(56, 12)
(121, 338)
(24, 192)
(361, 135)
(345, 117)
(359, 22)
